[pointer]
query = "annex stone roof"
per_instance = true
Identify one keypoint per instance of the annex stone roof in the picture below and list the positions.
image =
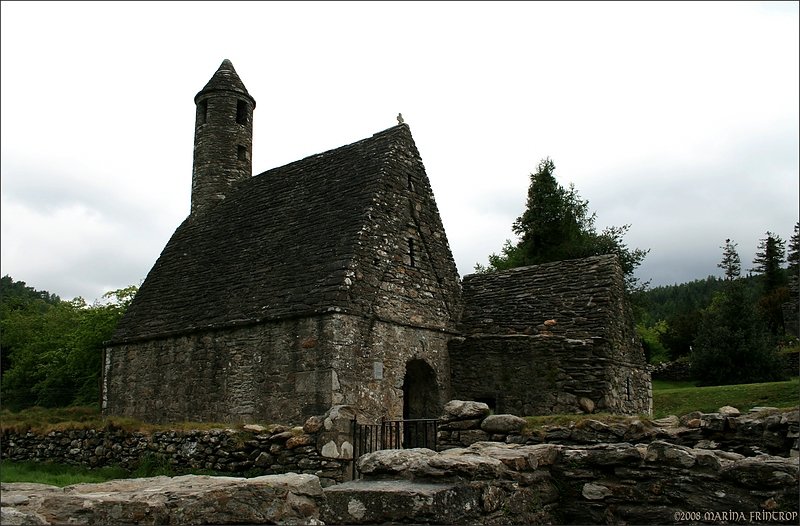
(577, 298)
(283, 243)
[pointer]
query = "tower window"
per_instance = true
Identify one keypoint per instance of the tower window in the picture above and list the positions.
(411, 255)
(202, 112)
(242, 153)
(241, 112)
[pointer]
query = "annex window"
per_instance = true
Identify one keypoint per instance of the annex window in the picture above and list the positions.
(241, 112)
(242, 153)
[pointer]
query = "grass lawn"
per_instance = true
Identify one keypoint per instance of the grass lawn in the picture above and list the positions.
(57, 474)
(680, 398)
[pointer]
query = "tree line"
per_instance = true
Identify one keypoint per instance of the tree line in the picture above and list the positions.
(731, 328)
(51, 349)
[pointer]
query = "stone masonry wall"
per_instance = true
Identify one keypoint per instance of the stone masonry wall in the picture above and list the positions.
(272, 372)
(546, 374)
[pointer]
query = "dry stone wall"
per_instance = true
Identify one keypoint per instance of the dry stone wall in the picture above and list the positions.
(320, 447)
(760, 432)
(491, 483)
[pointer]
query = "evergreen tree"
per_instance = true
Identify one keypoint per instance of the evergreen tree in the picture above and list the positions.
(730, 261)
(768, 263)
(557, 225)
(793, 257)
(733, 345)
(769, 260)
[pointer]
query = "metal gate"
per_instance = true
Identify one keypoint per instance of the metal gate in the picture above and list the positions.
(393, 434)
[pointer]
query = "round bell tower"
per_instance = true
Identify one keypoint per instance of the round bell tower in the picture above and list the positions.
(223, 138)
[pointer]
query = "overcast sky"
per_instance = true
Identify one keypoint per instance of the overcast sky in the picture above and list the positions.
(680, 119)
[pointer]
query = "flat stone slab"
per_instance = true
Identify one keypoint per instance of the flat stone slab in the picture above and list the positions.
(393, 501)
(189, 499)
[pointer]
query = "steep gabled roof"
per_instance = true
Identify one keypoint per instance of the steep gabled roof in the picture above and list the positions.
(578, 298)
(281, 244)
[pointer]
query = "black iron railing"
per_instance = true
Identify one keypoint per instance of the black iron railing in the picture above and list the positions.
(393, 434)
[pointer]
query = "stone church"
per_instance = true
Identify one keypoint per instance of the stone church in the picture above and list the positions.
(330, 281)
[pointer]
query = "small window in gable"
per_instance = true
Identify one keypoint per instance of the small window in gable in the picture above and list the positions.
(241, 112)
(242, 153)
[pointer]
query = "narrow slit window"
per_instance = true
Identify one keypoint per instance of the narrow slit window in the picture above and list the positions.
(202, 111)
(242, 153)
(411, 254)
(410, 183)
(241, 112)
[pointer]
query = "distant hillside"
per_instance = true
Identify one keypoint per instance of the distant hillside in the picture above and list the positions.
(666, 302)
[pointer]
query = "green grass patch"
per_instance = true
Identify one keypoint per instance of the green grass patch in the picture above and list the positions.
(661, 385)
(150, 465)
(680, 398)
(57, 474)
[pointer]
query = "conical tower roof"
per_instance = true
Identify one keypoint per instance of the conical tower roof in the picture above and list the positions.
(225, 79)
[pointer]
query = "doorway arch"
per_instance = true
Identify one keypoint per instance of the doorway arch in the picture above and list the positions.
(420, 391)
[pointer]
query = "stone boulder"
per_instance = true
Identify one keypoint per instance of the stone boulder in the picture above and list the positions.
(464, 410)
(191, 499)
(503, 424)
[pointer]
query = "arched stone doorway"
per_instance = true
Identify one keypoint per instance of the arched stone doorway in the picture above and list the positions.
(420, 391)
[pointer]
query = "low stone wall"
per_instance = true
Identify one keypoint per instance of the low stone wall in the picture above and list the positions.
(486, 483)
(676, 371)
(763, 431)
(320, 447)
(493, 483)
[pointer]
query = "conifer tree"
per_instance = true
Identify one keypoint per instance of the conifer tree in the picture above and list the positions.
(733, 345)
(769, 260)
(557, 225)
(793, 257)
(730, 263)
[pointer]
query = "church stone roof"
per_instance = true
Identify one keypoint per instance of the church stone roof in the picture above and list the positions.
(283, 243)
